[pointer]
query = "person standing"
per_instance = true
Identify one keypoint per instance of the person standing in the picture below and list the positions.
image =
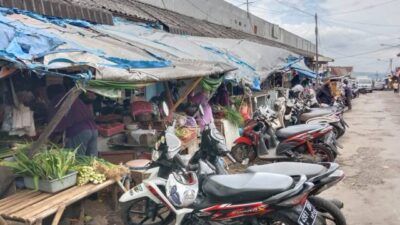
(347, 94)
(396, 85)
(296, 78)
(78, 124)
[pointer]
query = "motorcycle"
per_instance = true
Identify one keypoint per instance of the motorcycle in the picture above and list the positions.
(209, 160)
(304, 143)
(303, 113)
(252, 198)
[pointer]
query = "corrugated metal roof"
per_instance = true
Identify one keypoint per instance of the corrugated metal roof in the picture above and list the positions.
(121, 8)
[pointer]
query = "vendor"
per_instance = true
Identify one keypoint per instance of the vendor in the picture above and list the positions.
(324, 94)
(78, 123)
(202, 99)
(296, 78)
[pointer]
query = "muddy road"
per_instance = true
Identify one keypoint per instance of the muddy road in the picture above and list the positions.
(371, 161)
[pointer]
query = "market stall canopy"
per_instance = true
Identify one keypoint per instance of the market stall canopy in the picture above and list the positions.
(300, 67)
(254, 61)
(30, 41)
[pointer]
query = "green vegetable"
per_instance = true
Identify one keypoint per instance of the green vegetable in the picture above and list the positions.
(50, 164)
(210, 84)
(233, 116)
(114, 84)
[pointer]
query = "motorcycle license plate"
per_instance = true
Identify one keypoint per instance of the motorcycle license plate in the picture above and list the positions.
(308, 215)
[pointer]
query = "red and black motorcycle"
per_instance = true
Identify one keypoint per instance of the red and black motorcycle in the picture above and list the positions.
(302, 143)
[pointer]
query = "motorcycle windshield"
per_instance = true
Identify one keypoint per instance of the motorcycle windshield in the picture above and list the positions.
(174, 144)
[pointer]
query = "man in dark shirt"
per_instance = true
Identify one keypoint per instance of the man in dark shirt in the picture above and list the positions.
(324, 94)
(348, 94)
(78, 123)
(296, 78)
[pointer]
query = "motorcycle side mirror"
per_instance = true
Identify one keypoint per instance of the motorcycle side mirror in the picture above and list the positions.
(165, 109)
(201, 110)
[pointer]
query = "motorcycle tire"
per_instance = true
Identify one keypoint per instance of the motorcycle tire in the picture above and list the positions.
(327, 208)
(241, 152)
(325, 152)
(126, 209)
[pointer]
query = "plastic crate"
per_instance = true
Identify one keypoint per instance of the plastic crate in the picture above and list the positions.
(110, 130)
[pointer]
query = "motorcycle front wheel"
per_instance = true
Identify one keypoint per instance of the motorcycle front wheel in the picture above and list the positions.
(243, 152)
(145, 212)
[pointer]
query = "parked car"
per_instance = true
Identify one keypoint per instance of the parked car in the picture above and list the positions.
(365, 84)
(379, 85)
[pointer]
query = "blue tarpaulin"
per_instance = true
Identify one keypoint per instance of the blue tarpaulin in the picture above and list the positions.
(25, 45)
(300, 67)
(48, 46)
(256, 81)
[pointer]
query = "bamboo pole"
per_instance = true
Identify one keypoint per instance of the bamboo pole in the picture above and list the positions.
(187, 92)
(69, 99)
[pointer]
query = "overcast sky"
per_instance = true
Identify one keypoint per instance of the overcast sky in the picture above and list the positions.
(351, 31)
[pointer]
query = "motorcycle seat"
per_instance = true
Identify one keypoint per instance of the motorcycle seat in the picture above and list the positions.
(287, 132)
(316, 112)
(239, 188)
(290, 169)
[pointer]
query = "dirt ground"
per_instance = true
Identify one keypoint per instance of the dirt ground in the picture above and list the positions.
(371, 161)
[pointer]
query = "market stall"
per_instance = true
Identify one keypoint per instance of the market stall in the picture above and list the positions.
(54, 76)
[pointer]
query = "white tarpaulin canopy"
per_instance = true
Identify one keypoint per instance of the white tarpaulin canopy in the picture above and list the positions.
(254, 61)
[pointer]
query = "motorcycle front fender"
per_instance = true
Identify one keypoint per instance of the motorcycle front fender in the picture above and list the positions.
(243, 140)
(138, 192)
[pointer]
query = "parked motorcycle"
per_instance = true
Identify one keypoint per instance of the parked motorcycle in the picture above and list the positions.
(303, 143)
(171, 193)
(302, 113)
(208, 159)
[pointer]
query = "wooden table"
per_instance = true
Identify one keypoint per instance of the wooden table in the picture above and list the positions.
(31, 207)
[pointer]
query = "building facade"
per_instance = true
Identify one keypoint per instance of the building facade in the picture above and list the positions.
(223, 13)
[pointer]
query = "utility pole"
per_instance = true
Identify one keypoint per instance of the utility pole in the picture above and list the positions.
(316, 48)
(248, 10)
(391, 66)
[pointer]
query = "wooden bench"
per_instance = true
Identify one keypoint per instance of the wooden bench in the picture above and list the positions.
(31, 207)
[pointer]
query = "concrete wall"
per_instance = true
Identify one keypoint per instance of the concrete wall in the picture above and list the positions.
(224, 13)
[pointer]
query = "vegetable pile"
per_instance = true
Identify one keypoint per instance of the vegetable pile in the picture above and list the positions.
(55, 163)
(95, 170)
(233, 116)
(47, 165)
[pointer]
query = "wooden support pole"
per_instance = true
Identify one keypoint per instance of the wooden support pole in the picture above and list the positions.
(3, 221)
(170, 102)
(187, 92)
(6, 71)
(58, 215)
(70, 98)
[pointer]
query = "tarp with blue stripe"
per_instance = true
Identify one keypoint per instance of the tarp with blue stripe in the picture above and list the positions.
(41, 44)
(254, 62)
(300, 67)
